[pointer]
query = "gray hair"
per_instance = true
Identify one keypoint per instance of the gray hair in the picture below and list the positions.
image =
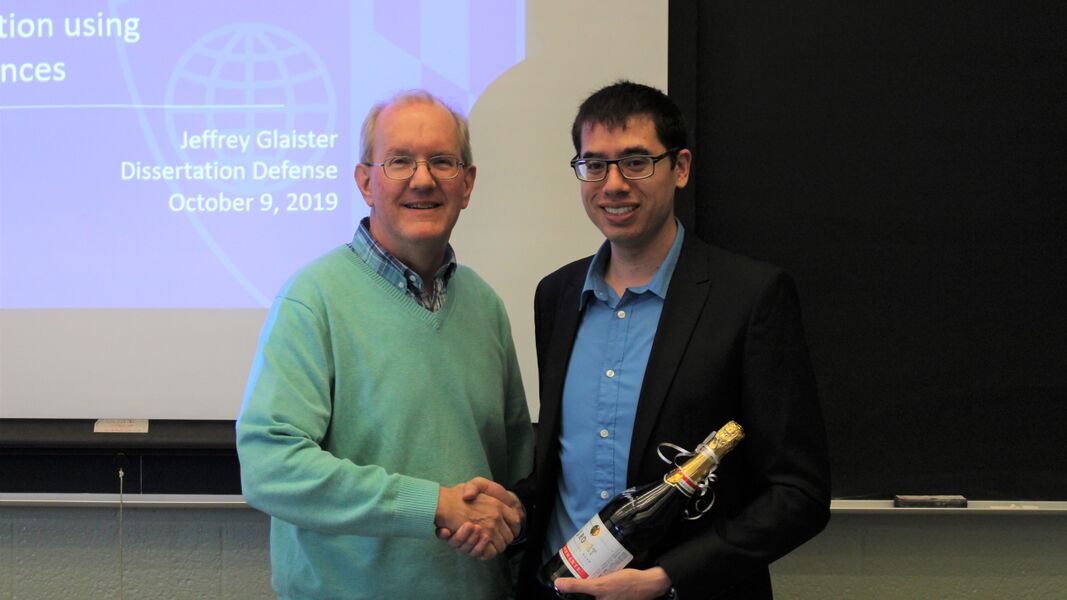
(366, 138)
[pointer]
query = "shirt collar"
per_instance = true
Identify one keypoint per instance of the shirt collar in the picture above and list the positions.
(596, 286)
(392, 268)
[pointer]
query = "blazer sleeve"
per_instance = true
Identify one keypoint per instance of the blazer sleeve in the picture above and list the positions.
(786, 495)
(526, 489)
(553, 327)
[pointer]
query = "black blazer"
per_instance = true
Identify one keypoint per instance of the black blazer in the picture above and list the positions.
(730, 345)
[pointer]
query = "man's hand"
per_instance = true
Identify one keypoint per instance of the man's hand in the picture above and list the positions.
(468, 539)
(627, 584)
(478, 524)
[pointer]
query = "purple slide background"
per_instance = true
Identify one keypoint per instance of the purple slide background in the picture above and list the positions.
(73, 234)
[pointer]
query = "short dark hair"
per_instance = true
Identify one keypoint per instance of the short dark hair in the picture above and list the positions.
(613, 105)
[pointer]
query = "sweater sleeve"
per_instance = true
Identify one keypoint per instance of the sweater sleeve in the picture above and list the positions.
(284, 418)
(517, 415)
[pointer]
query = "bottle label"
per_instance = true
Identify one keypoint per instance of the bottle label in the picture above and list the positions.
(594, 551)
(678, 479)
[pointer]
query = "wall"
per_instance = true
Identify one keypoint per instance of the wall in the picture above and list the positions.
(891, 556)
(522, 226)
(62, 553)
(173, 554)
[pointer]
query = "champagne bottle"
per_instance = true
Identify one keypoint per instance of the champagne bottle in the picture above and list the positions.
(634, 520)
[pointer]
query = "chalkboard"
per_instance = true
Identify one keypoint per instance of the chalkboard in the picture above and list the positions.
(905, 161)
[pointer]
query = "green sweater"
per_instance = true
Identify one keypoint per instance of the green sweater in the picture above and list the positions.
(360, 403)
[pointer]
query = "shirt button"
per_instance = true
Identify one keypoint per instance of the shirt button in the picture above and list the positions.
(610, 373)
(604, 433)
(412, 278)
(400, 285)
(604, 494)
(621, 314)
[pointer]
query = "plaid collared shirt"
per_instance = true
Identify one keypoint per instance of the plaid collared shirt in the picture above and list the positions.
(399, 274)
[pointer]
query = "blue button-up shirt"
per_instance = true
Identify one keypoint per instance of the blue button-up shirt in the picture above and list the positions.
(600, 393)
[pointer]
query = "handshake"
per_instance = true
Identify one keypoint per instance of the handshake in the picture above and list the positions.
(478, 518)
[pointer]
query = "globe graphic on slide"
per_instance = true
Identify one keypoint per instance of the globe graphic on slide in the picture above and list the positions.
(242, 79)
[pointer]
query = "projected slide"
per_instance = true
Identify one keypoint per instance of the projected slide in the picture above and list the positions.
(194, 154)
(166, 165)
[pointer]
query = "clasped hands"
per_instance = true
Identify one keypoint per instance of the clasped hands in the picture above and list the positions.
(478, 518)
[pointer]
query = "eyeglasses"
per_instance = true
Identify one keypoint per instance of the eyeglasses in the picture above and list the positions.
(443, 166)
(637, 166)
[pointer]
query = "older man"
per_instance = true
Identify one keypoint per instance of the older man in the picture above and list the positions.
(385, 377)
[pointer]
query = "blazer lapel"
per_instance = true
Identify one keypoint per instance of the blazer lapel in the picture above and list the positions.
(564, 330)
(686, 295)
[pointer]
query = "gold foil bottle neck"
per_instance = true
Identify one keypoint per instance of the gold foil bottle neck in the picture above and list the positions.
(706, 457)
(725, 439)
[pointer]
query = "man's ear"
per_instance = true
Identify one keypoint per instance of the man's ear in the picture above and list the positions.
(468, 179)
(362, 177)
(682, 163)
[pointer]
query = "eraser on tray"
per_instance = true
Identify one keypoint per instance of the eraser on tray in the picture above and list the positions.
(929, 501)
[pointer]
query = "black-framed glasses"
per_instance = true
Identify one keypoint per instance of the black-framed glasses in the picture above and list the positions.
(635, 166)
(443, 166)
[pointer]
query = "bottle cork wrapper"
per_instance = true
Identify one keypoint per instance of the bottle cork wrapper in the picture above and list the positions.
(706, 458)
